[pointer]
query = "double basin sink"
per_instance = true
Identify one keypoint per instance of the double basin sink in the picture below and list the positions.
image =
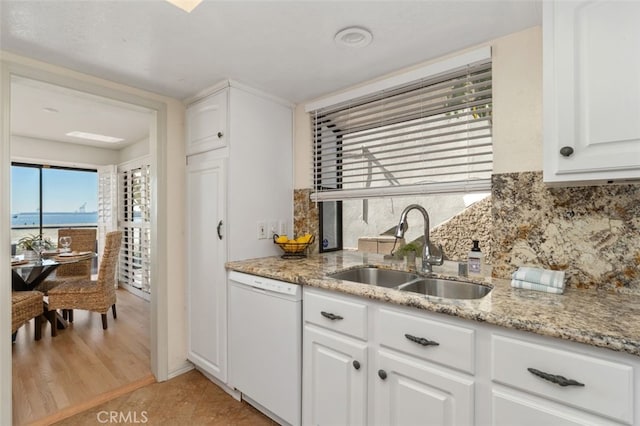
(407, 281)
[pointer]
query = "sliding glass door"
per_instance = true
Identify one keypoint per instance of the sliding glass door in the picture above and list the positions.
(46, 198)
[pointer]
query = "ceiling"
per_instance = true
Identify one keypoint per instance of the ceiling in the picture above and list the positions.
(285, 48)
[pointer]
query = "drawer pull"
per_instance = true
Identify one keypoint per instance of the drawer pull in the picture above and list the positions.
(382, 374)
(356, 365)
(559, 380)
(331, 316)
(421, 340)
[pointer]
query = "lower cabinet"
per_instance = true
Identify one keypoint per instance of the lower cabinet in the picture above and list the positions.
(352, 375)
(568, 379)
(374, 363)
(411, 392)
(334, 379)
(509, 409)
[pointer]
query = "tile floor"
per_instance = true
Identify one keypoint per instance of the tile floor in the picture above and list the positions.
(189, 399)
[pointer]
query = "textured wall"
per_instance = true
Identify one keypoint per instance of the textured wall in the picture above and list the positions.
(456, 234)
(593, 233)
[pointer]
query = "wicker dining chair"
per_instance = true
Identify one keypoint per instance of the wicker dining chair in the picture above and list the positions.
(96, 296)
(82, 239)
(26, 305)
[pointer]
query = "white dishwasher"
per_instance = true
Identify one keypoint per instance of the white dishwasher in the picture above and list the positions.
(265, 344)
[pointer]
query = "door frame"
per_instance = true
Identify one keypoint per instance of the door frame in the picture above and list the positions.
(158, 147)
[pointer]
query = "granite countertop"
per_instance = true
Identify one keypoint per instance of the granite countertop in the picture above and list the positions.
(598, 318)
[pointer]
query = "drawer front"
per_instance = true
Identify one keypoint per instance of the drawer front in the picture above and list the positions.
(434, 341)
(608, 386)
(336, 313)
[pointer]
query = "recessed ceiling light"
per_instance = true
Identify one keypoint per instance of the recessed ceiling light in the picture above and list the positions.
(50, 110)
(186, 5)
(94, 137)
(353, 37)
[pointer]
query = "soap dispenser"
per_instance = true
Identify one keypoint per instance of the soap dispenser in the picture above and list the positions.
(475, 260)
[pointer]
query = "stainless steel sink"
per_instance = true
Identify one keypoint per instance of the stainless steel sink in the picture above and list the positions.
(448, 289)
(375, 276)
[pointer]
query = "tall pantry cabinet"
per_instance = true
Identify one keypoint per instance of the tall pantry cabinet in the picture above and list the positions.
(239, 174)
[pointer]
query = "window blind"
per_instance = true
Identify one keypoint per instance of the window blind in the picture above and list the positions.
(424, 137)
(134, 268)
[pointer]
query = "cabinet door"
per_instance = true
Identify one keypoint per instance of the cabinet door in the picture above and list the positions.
(334, 382)
(591, 91)
(408, 392)
(206, 277)
(207, 123)
(509, 410)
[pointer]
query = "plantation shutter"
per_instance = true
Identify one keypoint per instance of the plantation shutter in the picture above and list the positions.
(107, 202)
(427, 136)
(134, 218)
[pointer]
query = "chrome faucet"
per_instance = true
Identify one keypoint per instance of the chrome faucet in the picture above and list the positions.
(431, 255)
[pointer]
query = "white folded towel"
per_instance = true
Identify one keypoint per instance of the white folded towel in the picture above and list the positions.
(537, 287)
(540, 276)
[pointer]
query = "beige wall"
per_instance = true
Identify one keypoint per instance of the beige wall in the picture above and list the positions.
(517, 102)
(134, 151)
(172, 234)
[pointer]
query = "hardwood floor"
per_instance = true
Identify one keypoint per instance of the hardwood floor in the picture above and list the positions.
(83, 364)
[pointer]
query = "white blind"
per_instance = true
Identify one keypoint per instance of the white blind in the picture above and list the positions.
(425, 137)
(134, 219)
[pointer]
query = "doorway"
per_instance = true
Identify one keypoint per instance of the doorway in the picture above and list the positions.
(157, 146)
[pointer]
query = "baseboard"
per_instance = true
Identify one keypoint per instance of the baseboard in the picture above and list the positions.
(186, 367)
(136, 291)
(94, 402)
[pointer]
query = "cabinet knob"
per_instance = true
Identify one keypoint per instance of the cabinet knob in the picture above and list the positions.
(356, 365)
(566, 151)
(220, 135)
(382, 374)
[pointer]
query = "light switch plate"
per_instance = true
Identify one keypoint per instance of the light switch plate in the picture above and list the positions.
(262, 230)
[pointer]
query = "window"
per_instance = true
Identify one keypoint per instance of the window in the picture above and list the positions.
(134, 220)
(45, 198)
(426, 136)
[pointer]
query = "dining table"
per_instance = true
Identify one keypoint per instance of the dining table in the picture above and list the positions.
(28, 274)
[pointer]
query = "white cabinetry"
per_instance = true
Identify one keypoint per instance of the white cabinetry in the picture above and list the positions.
(359, 366)
(334, 378)
(585, 383)
(242, 178)
(412, 392)
(367, 362)
(206, 277)
(591, 91)
(207, 123)
(335, 361)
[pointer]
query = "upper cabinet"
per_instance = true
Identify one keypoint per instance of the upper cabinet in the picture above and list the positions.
(207, 123)
(591, 81)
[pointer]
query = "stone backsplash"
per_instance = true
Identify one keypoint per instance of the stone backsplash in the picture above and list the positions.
(305, 216)
(456, 234)
(593, 233)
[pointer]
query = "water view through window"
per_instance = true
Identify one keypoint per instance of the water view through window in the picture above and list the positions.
(44, 199)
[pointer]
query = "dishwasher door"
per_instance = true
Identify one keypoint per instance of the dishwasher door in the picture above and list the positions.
(265, 345)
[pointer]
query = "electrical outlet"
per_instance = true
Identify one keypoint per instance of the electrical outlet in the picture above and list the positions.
(262, 230)
(273, 228)
(282, 228)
